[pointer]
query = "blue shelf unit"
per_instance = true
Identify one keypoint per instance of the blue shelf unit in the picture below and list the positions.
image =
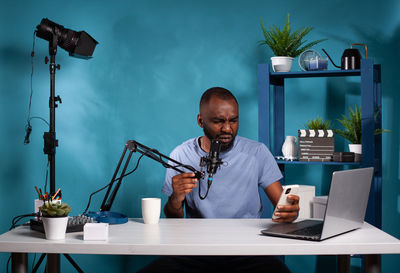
(271, 91)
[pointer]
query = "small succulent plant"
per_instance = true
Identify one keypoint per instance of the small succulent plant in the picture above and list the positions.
(55, 209)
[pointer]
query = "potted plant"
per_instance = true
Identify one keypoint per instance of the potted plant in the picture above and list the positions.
(286, 44)
(318, 124)
(352, 129)
(55, 219)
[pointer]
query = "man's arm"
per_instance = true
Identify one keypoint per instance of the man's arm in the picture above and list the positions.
(173, 208)
(182, 184)
(285, 213)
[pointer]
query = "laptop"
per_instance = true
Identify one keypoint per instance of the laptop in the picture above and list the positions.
(345, 209)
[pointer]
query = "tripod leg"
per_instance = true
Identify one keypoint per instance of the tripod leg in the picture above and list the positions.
(74, 264)
(38, 263)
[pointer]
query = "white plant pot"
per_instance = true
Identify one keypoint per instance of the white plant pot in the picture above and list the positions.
(55, 227)
(355, 148)
(281, 64)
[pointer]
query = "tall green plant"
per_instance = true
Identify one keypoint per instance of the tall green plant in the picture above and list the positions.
(287, 43)
(352, 126)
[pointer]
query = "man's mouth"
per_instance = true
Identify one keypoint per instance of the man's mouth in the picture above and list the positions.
(225, 138)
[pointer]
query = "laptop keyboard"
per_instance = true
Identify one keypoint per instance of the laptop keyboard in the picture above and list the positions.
(308, 231)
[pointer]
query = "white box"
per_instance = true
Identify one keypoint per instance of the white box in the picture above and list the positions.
(38, 204)
(306, 194)
(95, 232)
(319, 206)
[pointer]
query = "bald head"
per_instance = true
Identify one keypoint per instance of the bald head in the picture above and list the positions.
(216, 92)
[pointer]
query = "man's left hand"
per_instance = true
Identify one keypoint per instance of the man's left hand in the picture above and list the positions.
(288, 213)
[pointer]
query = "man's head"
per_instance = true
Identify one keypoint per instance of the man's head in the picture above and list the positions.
(219, 116)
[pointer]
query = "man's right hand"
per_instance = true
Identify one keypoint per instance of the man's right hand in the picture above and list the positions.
(182, 184)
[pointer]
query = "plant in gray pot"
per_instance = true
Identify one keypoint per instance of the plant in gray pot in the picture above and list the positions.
(286, 44)
(55, 219)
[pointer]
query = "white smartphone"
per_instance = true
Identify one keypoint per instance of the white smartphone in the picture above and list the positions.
(287, 190)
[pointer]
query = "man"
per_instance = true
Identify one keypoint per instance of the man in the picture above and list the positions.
(247, 165)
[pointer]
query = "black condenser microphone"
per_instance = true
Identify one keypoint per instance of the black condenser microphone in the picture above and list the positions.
(213, 160)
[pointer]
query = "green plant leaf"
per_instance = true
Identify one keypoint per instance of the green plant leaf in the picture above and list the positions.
(352, 125)
(52, 209)
(284, 42)
(318, 124)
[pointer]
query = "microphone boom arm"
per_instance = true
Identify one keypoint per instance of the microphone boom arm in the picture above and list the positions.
(134, 146)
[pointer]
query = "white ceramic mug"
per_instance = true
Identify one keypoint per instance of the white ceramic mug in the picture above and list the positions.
(151, 209)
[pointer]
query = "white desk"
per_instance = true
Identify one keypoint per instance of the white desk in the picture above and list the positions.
(202, 237)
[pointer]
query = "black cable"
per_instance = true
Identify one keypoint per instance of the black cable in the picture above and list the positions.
(18, 218)
(116, 179)
(90, 197)
(47, 175)
(28, 127)
(32, 55)
(45, 121)
(208, 188)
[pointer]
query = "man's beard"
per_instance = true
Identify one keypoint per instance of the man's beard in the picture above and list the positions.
(224, 147)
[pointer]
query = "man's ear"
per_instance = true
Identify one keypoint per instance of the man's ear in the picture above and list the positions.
(199, 121)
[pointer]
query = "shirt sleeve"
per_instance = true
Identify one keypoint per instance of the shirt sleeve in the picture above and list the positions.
(268, 169)
(167, 187)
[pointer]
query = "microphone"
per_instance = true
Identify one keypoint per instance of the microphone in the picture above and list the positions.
(213, 160)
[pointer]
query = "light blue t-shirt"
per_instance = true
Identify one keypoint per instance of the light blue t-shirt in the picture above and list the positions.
(247, 165)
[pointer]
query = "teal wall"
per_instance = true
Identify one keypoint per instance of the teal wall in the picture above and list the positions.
(154, 60)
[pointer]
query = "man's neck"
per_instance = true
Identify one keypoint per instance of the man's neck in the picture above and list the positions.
(204, 144)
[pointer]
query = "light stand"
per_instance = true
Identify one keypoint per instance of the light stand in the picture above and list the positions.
(78, 44)
(50, 141)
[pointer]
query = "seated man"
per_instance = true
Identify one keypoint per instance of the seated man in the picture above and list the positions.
(247, 165)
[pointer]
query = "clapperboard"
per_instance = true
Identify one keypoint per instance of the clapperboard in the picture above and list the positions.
(316, 145)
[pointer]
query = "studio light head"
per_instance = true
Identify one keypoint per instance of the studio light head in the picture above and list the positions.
(77, 43)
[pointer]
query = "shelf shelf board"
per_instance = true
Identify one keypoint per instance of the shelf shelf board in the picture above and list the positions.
(296, 162)
(311, 74)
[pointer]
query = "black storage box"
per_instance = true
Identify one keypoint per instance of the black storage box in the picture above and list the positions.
(343, 156)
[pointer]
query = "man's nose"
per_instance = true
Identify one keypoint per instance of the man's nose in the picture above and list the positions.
(227, 128)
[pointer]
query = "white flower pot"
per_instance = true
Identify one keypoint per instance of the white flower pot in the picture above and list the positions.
(55, 227)
(281, 64)
(355, 148)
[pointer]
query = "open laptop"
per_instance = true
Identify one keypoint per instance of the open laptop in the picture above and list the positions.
(345, 210)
